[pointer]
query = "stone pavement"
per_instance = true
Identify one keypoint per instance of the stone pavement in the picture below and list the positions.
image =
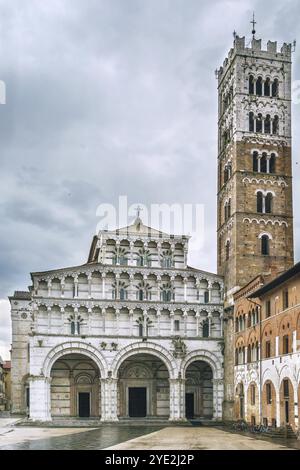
(114, 436)
(196, 438)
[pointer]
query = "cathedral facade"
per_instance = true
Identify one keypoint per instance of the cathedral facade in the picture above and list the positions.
(137, 333)
(133, 333)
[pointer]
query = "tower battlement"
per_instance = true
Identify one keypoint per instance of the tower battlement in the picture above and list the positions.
(271, 52)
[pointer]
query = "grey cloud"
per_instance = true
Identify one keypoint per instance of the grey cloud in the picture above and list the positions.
(107, 98)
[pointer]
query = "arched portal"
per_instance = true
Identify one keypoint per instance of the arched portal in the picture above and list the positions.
(75, 387)
(286, 393)
(269, 404)
(143, 387)
(199, 390)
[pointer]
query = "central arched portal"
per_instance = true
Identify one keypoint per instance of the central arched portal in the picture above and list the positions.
(199, 390)
(143, 387)
(75, 387)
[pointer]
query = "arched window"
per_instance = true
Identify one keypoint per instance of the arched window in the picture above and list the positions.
(259, 202)
(141, 294)
(269, 199)
(249, 354)
(263, 163)
(166, 295)
(251, 85)
(226, 174)
(227, 250)
(141, 329)
(259, 86)
(205, 333)
(275, 88)
(267, 124)
(73, 329)
(251, 122)
(206, 297)
(122, 293)
(267, 87)
(259, 122)
(265, 245)
(272, 163)
(275, 129)
(255, 161)
(123, 260)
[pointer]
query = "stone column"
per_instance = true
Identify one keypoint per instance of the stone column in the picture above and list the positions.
(221, 324)
(294, 345)
(277, 346)
(172, 322)
(209, 324)
(49, 284)
(197, 323)
(217, 399)
(62, 284)
(90, 284)
(278, 407)
(40, 399)
(131, 293)
(185, 317)
(89, 316)
(209, 292)
(109, 403)
(295, 387)
(130, 322)
(49, 319)
(131, 260)
(185, 288)
(103, 320)
(76, 287)
(158, 288)
(158, 322)
(103, 285)
(63, 319)
(117, 312)
(177, 400)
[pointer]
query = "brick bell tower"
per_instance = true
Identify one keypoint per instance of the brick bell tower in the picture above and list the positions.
(255, 209)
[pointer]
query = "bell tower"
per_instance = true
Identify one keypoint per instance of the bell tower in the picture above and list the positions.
(255, 209)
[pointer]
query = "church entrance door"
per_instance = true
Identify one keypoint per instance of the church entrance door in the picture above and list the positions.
(189, 405)
(84, 404)
(137, 402)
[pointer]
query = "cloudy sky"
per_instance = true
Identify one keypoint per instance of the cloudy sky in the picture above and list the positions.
(109, 98)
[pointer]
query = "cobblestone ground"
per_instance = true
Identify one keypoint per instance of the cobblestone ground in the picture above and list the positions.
(131, 438)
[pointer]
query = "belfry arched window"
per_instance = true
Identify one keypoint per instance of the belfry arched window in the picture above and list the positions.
(259, 202)
(251, 122)
(267, 87)
(272, 163)
(259, 84)
(275, 129)
(275, 88)
(263, 163)
(259, 123)
(268, 201)
(265, 245)
(251, 85)
(255, 161)
(267, 124)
